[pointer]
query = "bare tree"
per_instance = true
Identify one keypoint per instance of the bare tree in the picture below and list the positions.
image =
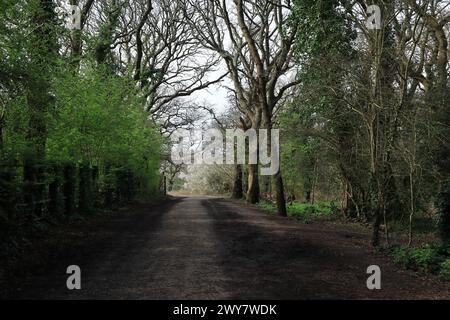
(168, 61)
(255, 42)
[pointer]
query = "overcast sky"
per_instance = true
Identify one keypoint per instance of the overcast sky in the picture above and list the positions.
(215, 95)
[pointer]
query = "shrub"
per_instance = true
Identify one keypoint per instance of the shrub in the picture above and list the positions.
(427, 259)
(402, 257)
(300, 210)
(445, 269)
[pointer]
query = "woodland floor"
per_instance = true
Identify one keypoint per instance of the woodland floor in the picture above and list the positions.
(212, 248)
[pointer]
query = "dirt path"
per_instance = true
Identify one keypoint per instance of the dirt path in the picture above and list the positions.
(207, 248)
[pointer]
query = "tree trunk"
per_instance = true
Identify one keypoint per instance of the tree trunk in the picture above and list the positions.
(69, 189)
(54, 192)
(42, 57)
(164, 185)
(238, 192)
(75, 44)
(376, 228)
(444, 212)
(84, 189)
(28, 187)
(308, 196)
(253, 184)
(412, 207)
(279, 190)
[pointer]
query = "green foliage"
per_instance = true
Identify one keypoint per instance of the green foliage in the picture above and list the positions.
(327, 127)
(311, 121)
(322, 27)
(98, 117)
(71, 141)
(267, 206)
(299, 210)
(445, 269)
(427, 259)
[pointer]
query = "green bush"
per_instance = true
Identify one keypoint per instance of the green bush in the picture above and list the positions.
(267, 206)
(402, 257)
(445, 269)
(299, 209)
(427, 259)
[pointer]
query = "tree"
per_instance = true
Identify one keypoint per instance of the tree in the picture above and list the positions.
(259, 61)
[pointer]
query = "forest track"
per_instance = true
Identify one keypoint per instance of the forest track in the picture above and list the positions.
(212, 248)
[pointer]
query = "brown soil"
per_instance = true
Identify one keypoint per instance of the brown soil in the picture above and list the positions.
(211, 248)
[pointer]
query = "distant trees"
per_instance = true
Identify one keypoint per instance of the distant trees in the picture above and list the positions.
(210, 180)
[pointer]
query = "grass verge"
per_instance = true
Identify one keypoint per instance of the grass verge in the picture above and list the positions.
(303, 211)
